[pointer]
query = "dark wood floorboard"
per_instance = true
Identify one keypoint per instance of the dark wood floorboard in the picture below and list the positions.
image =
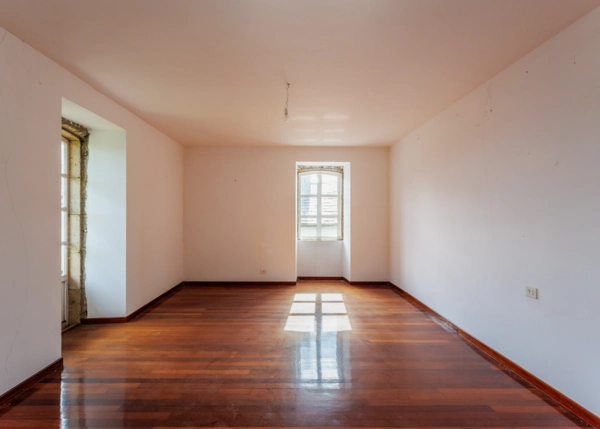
(219, 356)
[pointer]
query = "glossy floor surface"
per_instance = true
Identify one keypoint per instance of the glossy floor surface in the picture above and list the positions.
(320, 354)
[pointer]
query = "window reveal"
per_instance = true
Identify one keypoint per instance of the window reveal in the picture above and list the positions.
(320, 202)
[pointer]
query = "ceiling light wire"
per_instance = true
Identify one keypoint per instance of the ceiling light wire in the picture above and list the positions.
(287, 100)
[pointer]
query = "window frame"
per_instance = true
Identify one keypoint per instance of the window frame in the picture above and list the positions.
(320, 170)
(64, 233)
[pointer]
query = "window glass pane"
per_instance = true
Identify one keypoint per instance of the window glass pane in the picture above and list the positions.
(330, 230)
(329, 206)
(308, 228)
(63, 192)
(314, 183)
(306, 187)
(63, 157)
(308, 221)
(329, 184)
(63, 226)
(64, 301)
(308, 206)
(63, 260)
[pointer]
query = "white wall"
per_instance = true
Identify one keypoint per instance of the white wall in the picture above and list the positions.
(106, 207)
(347, 255)
(500, 191)
(240, 211)
(320, 258)
(31, 91)
(154, 216)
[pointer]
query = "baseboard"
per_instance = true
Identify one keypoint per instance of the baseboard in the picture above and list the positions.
(558, 396)
(25, 385)
(277, 283)
(367, 283)
(69, 328)
(155, 301)
(502, 360)
(103, 320)
(227, 283)
(414, 301)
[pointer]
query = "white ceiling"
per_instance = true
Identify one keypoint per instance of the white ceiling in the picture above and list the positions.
(213, 72)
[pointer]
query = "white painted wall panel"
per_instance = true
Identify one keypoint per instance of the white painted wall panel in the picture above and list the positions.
(240, 211)
(31, 91)
(500, 191)
(106, 208)
(320, 258)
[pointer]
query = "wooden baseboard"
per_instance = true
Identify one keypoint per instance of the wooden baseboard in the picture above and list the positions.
(324, 278)
(103, 320)
(558, 396)
(502, 360)
(414, 301)
(227, 283)
(353, 283)
(69, 328)
(155, 301)
(7, 397)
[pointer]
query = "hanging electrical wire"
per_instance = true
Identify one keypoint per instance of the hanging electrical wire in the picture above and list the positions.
(287, 99)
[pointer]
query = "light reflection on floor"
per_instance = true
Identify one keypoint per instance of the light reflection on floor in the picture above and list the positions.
(313, 307)
(308, 297)
(336, 324)
(323, 346)
(303, 308)
(300, 323)
(333, 308)
(331, 297)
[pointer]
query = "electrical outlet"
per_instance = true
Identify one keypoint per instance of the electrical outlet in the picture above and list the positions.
(531, 292)
(263, 271)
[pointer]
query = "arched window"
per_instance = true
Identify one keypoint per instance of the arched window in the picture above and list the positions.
(320, 203)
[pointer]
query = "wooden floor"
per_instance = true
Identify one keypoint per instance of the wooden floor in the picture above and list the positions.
(234, 356)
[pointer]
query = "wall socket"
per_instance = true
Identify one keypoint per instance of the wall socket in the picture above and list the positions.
(531, 292)
(263, 271)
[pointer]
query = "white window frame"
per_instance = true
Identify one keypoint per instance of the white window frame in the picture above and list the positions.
(320, 171)
(64, 233)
